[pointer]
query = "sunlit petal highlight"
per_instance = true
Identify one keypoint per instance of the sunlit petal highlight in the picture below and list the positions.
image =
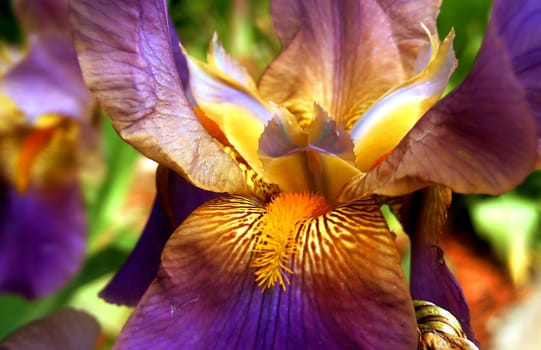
(382, 127)
(228, 96)
(206, 295)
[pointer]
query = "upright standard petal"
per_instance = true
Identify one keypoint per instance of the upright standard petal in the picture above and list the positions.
(351, 52)
(346, 289)
(128, 60)
(42, 238)
(481, 138)
(517, 23)
(388, 120)
(175, 200)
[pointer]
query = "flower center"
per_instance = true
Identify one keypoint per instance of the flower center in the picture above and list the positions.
(277, 242)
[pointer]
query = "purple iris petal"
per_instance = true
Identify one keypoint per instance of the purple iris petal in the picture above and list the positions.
(430, 278)
(176, 199)
(48, 80)
(129, 61)
(180, 59)
(350, 294)
(246, 319)
(42, 238)
(518, 24)
(480, 138)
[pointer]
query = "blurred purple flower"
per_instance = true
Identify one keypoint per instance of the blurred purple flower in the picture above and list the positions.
(45, 112)
(348, 117)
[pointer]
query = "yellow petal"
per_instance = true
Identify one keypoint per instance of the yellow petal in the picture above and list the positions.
(228, 96)
(317, 159)
(382, 127)
(8, 112)
(9, 56)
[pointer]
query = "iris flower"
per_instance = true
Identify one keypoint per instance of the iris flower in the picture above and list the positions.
(44, 108)
(349, 116)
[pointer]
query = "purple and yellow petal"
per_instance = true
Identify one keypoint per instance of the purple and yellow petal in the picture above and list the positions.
(481, 138)
(430, 278)
(226, 94)
(128, 60)
(176, 199)
(206, 294)
(317, 158)
(42, 238)
(352, 51)
(386, 122)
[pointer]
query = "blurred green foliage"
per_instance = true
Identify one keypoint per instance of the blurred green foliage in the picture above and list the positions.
(468, 19)
(243, 26)
(9, 29)
(245, 29)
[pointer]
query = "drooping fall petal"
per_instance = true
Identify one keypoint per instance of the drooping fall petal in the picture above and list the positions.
(423, 218)
(481, 138)
(42, 238)
(517, 23)
(175, 200)
(128, 60)
(352, 52)
(346, 289)
(67, 329)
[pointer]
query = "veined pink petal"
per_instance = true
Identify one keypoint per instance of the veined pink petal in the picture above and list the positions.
(344, 54)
